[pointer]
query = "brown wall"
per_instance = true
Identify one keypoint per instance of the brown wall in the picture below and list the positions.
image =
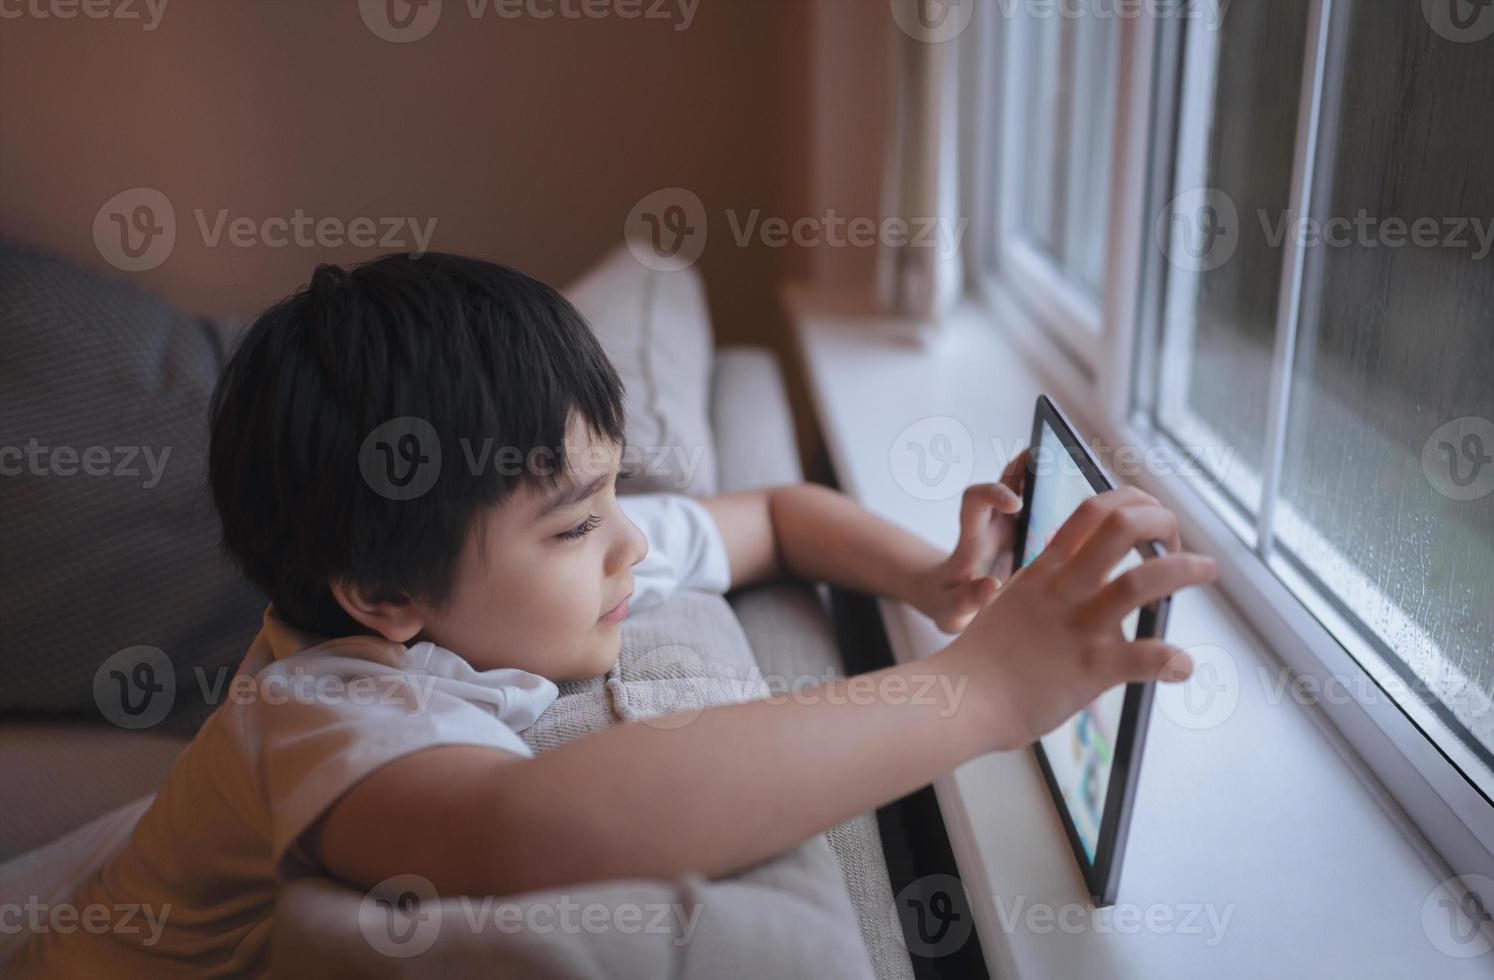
(527, 140)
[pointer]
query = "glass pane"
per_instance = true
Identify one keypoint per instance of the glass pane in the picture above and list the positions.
(1044, 100)
(1069, 104)
(1237, 129)
(1387, 479)
(1087, 211)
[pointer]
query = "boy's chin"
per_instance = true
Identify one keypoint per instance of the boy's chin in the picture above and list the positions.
(590, 664)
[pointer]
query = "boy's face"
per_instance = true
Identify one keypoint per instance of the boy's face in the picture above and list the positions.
(540, 571)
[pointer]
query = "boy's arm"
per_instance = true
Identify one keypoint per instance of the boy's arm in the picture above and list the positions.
(733, 785)
(823, 535)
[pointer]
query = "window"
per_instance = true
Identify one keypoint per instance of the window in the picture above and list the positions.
(1329, 320)
(1310, 324)
(1061, 70)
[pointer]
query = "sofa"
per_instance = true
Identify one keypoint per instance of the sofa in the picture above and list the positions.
(706, 420)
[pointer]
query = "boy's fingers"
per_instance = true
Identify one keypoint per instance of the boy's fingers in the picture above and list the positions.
(1016, 471)
(977, 545)
(1003, 567)
(1117, 533)
(1151, 660)
(997, 496)
(1088, 516)
(980, 591)
(1145, 584)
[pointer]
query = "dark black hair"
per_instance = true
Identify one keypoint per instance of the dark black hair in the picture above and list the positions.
(345, 427)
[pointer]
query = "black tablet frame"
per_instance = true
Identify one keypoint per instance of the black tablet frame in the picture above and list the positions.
(1101, 876)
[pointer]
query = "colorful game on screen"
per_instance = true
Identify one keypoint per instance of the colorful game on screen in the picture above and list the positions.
(1078, 751)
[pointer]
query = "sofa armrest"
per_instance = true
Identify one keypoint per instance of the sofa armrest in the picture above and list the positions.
(752, 422)
(786, 622)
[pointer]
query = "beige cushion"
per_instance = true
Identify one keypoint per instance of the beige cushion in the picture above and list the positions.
(656, 328)
(789, 916)
(682, 655)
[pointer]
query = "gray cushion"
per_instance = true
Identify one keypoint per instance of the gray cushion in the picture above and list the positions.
(755, 441)
(656, 329)
(93, 564)
(59, 776)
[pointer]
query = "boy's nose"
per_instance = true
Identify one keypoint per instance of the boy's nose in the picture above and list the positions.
(639, 542)
(633, 547)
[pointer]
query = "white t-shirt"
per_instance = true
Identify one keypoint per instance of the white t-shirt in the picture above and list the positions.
(302, 722)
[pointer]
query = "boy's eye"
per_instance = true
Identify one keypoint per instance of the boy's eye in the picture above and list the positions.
(581, 530)
(590, 524)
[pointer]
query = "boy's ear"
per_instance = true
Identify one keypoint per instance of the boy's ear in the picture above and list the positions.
(397, 620)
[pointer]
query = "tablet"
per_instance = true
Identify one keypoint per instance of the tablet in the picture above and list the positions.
(1091, 762)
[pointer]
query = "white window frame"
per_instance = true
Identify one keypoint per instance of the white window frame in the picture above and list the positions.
(1069, 313)
(1098, 359)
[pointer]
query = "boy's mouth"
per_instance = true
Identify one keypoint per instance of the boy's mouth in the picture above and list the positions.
(618, 612)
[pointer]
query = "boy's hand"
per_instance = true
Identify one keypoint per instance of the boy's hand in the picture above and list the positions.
(1050, 641)
(952, 592)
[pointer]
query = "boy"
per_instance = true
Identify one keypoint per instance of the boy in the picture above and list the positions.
(466, 593)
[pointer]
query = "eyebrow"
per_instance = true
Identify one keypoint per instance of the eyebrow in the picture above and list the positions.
(575, 493)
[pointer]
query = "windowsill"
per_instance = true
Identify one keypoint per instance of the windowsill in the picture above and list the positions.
(1261, 818)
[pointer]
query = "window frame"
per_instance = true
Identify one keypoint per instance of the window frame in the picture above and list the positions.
(1071, 317)
(1381, 740)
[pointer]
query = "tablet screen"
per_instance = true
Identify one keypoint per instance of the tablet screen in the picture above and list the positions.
(1081, 750)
